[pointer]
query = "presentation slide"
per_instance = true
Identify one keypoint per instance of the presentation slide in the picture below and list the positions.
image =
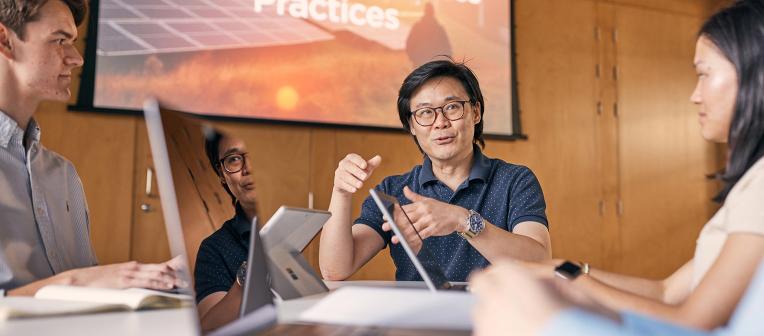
(323, 61)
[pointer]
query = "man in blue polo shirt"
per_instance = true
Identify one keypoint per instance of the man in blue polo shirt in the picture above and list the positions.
(469, 209)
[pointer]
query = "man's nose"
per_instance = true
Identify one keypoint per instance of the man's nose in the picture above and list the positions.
(73, 57)
(440, 119)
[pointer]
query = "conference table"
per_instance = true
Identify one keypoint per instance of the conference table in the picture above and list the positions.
(183, 321)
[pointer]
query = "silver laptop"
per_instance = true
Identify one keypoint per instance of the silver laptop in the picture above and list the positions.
(177, 145)
(424, 262)
(165, 127)
(292, 228)
(284, 237)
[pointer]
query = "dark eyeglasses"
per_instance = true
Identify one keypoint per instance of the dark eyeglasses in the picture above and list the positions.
(233, 163)
(453, 110)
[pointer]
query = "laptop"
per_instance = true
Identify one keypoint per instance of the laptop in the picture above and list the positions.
(424, 262)
(175, 132)
(293, 228)
(198, 203)
(284, 237)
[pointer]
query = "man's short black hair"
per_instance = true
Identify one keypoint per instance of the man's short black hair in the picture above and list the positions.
(441, 68)
(212, 148)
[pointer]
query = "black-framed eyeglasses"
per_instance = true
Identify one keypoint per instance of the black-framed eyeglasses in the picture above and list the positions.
(233, 163)
(453, 110)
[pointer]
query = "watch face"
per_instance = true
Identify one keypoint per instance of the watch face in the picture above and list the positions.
(241, 275)
(568, 270)
(475, 222)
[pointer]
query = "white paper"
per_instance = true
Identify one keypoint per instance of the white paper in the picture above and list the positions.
(394, 308)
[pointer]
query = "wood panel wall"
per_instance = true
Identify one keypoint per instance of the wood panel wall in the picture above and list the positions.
(572, 148)
(662, 158)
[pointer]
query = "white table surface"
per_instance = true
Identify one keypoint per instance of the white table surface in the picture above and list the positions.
(162, 322)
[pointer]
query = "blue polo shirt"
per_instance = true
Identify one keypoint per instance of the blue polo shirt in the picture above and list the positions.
(503, 193)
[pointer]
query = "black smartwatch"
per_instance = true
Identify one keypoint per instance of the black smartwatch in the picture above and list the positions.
(570, 270)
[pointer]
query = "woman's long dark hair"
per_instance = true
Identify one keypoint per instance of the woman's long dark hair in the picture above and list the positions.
(738, 31)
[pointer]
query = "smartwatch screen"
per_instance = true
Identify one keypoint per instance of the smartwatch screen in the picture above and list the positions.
(568, 270)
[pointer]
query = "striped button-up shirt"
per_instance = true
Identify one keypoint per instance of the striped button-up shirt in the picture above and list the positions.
(44, 226)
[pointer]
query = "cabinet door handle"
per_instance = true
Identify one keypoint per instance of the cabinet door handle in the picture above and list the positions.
(146, 207)
(149, 181)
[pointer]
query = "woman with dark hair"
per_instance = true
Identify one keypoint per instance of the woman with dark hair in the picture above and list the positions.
(729, 61)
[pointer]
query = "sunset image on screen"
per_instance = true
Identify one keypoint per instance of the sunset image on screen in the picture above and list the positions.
(325, 61)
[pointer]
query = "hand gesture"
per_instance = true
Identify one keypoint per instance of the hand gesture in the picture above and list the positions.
(432, 217)
(406, 230)
(353, 171)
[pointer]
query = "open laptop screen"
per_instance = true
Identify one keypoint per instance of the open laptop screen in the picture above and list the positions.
(194, 204)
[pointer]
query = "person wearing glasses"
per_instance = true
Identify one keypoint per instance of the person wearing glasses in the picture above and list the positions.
(470, 209)
(221, 261)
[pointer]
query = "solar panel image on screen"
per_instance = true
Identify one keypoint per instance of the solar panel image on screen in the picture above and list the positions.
(316, 61)
(139, 27)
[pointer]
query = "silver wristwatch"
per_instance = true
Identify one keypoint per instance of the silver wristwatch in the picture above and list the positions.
(241, 274)
(475, 225)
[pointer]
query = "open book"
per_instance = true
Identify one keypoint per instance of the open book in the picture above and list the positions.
(56, 300)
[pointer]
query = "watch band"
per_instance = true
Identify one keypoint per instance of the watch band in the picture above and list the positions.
(584, 267)
(467, 234)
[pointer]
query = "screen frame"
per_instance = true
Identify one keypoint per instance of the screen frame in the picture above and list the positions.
(86, 93)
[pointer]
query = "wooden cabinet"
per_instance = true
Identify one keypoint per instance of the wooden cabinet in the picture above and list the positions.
(558, 106)
(663, 160)
(148, 242)
(613, 138)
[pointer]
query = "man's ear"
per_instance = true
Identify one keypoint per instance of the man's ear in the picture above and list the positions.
(412, 124)
(478, 117)
(6, 46)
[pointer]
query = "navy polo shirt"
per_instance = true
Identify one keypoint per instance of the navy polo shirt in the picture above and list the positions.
(503, 193)
(220, 256)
